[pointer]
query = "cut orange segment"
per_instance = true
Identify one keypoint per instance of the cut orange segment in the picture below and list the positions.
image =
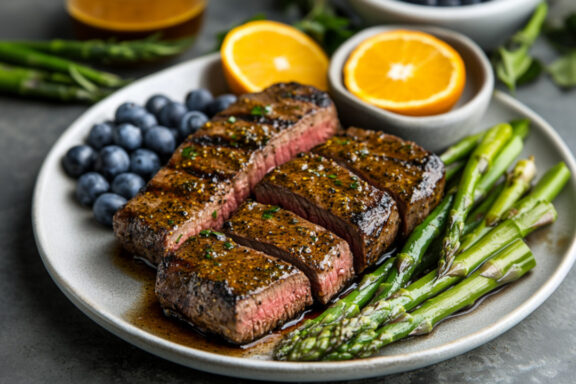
(407, 72)
(258, 54)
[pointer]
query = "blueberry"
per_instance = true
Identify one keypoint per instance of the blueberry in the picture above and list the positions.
(144, 162)
(78, 160)
(128, 112)
(219, 104)
(191, 122)
(128, 136)
(160, 140)
(172, 113)
(111, 161)
(176, 135)
(106, 206)
(127, 184)
(156, 102)
(91, 185)
(198, 99)
(145, 121)
(100, 135)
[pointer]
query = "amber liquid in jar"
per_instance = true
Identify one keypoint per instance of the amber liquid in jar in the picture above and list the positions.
(132, 19)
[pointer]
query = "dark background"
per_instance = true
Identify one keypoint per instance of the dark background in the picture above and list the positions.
(44, 338)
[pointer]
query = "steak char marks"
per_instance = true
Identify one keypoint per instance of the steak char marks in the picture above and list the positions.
(324, 257)
(213, 171)
(413, 176)
(329, 195)
(227, 289)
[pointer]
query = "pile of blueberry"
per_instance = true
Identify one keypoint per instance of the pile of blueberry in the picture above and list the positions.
(120, 156)
(445, 3)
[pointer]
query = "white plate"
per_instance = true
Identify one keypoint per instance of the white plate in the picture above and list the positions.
(78, 253)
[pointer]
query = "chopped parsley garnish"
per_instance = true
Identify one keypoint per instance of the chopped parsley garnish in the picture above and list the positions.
(214, 214)
(259, 110)
(189, 153)
(208, 255)
(179, 238)
(205, 232)
(342, 141)
(232, 119)
(338, 182)
(331, 176)
(170, 222)
(269, 213)
(354, 185)
(228, 245)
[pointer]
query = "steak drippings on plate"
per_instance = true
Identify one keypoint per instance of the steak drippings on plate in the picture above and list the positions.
(213, 171)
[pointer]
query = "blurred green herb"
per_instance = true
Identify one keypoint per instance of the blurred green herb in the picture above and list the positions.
(513, 63)
(563, 70)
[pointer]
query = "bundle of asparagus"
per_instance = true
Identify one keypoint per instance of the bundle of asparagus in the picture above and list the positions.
(44, 68)
(493, 219)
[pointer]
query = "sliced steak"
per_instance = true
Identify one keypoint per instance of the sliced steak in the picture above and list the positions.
(228, 289)
(324, 257)
(329, 195)
(213, 171)
(413, 176)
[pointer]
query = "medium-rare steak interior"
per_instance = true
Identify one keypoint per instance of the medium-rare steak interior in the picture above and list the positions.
(329, 195)
(228, 289)
(324, 257)
(213, 171)
(413, 176)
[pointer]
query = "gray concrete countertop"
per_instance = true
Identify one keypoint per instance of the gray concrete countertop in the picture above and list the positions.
(44, 338)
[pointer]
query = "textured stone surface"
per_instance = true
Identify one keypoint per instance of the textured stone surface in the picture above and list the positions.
(44, 338)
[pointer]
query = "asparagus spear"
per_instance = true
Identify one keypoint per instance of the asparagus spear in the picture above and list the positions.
(517, 183)
(38, 74)
(110, 51)
(20, 55)
(509, 265)
(461, 149)
(28, 83)
(347, 335)
(479, 162)
(476, 216)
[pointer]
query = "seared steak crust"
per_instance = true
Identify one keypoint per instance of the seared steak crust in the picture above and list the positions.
(213, 171)
(230, 290)
(413, 176)
(329, 195)
(324, 257)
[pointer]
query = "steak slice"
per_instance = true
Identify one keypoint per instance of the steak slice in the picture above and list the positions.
(329, 195)
(413, 176)
(213, 171)
(228, 289)
(324, 257)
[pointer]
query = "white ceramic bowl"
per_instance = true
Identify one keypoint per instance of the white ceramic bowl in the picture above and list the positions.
(433, 132)
(489, 23)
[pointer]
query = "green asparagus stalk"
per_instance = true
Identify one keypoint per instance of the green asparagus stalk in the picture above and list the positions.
(37, 74)
(348, 305)
(476, 216)
(546, 189)
(461, 149)
(19, 55)
(351, 332)
(509, 265)
(454, 170)
(517, 183)
(150, 48)
(479, 162)
(345, 334)
(29, 83)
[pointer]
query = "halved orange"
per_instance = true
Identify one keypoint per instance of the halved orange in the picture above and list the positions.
(260, 53)
(407, 72)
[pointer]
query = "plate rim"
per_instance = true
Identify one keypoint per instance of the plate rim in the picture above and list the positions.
(288, 371)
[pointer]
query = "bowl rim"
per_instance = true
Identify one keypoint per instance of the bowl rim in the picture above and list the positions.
(435, 14)
(484, 92)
